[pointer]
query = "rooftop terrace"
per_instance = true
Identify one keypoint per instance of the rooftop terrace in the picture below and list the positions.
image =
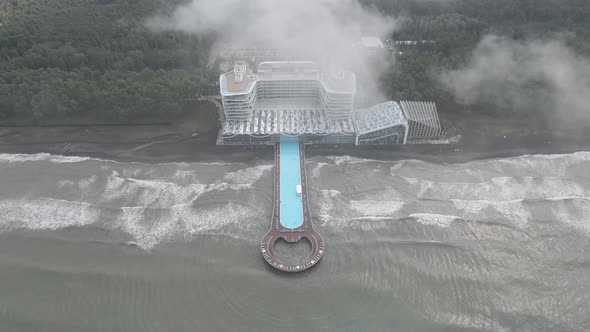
(242, 79)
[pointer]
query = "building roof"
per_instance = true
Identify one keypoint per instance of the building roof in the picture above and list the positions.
(296, 122)
(423, 117)
(241, 81)
(372, 42)
(379, 117)
(346, 83)
(287, 67)
(229, 85)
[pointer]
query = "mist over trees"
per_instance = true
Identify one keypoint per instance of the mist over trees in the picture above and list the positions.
(99, 60)
(496, 57)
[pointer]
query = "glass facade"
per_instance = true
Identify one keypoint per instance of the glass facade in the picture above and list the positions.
(296, 98)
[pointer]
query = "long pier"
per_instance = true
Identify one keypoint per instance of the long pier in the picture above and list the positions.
(291, 217)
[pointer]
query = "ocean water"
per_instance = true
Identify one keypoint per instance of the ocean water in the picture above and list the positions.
(490, 245)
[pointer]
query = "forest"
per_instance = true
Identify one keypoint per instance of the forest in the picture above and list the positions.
(96, 61)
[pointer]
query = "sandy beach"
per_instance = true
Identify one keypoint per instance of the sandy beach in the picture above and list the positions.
(155, 144)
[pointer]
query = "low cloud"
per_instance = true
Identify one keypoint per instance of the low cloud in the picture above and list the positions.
(536, 75)
(321, 28)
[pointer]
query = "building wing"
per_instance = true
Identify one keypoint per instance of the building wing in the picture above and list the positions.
(422, 118)
(381, 124)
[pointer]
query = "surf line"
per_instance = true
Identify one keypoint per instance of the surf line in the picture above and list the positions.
(291, 216)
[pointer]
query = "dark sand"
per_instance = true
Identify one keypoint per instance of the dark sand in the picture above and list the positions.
(155, 144)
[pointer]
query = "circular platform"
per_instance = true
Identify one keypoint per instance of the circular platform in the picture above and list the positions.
(267, 249)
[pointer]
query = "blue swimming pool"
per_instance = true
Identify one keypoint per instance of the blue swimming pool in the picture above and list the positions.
(291, 202)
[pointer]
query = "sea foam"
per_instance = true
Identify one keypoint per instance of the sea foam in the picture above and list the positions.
(147, 226)
(440, 220)
(46, 213)
(58, 159)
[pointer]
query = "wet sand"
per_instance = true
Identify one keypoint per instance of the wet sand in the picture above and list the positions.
(155, 144)
(190, 150)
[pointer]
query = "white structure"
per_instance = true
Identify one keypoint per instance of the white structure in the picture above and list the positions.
(297, 98)
(381, 124)
(371, 42)
(289, 86)
(423, 119)
(264, 122)
(239, 71)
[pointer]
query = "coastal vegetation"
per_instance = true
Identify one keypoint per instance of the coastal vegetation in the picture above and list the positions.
(95, 61)
(91, 61)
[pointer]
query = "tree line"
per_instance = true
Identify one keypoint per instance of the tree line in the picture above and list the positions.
(96, 59)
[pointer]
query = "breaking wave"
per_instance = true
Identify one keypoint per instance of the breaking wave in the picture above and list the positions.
(46, 213)
(518, 191)
(58, 159)
(61, 159)
(376, 208)
(151, 203)
(147, 226)
(434, 219)
(162, 202)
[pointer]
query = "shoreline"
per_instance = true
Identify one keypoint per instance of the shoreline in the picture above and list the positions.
(472, 139)
(195, 150)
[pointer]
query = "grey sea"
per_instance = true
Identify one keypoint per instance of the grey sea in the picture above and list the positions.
(490, 245)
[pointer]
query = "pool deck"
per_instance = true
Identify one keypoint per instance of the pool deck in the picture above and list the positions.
(291, 217)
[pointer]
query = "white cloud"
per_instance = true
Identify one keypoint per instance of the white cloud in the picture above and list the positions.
(543, 75)
(320, 27)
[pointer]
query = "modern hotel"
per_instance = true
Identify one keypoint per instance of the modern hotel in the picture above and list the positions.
(316, 104)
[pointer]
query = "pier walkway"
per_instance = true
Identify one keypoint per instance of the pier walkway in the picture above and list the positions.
(291, 217)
